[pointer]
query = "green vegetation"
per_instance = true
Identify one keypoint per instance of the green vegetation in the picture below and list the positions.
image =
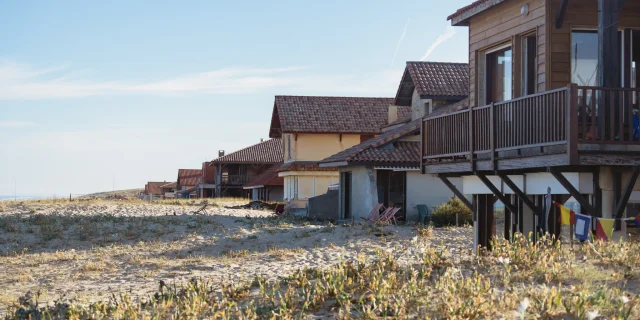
(445, 214)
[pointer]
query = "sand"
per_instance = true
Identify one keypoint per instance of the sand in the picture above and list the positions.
(92, 250)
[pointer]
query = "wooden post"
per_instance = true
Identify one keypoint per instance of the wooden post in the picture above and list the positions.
(608, 44)
(492, 135)
(572, 124)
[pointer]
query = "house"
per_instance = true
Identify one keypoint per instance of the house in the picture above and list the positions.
(236, 169)
(153, 190)
(313, 128)
(267, 186)
(206, 188)
(168, 190)
(386, 169)
(187, 181)
(553, 104)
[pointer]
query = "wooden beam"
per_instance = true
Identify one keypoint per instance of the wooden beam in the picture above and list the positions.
(608, 46)
(584, 203)
(561, 12)
(455, 191)
(507, 202)
(519, 193)
(622, 202)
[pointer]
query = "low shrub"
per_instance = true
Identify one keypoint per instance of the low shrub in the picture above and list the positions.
(445, 214)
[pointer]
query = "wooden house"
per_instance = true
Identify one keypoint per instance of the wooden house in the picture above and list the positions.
(313, 128)
(386, 169)
(187, 181)
(207, 186)
(553, 105)
(234, 170)
(153, 190)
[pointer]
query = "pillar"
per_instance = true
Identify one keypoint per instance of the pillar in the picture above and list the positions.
(607, 186)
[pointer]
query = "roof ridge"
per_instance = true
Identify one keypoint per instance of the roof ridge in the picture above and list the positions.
(342, 97)
(437, 62)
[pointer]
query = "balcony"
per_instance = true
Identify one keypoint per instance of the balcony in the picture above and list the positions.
(235, 180)
(567, 126)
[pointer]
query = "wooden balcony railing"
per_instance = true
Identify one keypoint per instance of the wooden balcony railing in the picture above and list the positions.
(236, 180)
(566, 116)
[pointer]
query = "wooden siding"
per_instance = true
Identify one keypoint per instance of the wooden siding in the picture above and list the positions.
(500, 25)
(581, 14)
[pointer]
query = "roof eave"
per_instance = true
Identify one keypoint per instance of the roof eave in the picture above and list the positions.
(462, 19)
(333, 164)
(449, 98)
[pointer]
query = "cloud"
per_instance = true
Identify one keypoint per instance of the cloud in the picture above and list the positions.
(449, 32)
(404, 31)
(24, 82)
(16, 124)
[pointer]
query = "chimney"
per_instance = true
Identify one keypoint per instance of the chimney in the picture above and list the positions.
(220, 153)
(393, 113)
(261, 140)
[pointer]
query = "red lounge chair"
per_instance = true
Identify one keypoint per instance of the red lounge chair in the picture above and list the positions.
(375, 212)
(389, 216)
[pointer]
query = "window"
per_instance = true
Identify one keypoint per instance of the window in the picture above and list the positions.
(529, 65)
(427, 108)
(584, 58)
(499, 75)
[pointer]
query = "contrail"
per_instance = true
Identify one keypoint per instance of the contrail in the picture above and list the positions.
(448, 33)
(400, 41)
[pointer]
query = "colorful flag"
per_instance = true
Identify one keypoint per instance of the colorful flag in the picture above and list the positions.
(567, 216)
(636, 220)
(604, 228)
(583, 226)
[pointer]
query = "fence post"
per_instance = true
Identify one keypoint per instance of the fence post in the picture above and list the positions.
(471, 142)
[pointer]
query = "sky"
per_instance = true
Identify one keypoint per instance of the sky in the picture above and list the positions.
(103, 95)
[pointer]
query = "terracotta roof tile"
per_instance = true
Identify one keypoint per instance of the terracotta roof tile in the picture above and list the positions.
(308, 114)
(442, 80)
(268, 178)
(372, 150)
(189, 177)
(154, 187)
(269, 151)
(303, 166)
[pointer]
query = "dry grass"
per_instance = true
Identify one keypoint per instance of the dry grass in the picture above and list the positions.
(515, 280)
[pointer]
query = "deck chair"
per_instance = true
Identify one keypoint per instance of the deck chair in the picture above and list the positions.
(424, 214)
(202, 210)
(375, 212)
(377, 217)
(389, 216)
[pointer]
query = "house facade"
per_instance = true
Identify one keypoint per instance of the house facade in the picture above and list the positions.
(386, 169)
(207, 186)
(553, 104)
(267, 186)
(313, 128)
(186, 183)
(153, 190)
(234, 170)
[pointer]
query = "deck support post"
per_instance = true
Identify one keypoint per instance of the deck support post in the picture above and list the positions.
(507, 203)
(484, 220)
(584, 203)
(624, 198)
(456, 192)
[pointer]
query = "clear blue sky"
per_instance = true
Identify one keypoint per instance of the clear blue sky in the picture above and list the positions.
(134, 90)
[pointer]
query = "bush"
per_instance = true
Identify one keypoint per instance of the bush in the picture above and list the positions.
(445, 214)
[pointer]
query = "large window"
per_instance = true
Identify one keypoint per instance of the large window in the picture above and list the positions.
(584, 58)
(499, 75)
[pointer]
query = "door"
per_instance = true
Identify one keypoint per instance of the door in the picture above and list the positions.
(392, 190)
(499, 75)
(346, 194)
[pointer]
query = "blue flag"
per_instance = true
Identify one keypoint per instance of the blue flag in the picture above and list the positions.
(583, 226)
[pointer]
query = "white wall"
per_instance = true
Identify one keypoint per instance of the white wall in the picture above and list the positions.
(426, 189)
(364, 195)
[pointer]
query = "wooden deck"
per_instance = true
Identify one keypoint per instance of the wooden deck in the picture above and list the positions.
(563, 127)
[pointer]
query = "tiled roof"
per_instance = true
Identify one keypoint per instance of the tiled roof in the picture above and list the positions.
(403, 153)
(267, 178)
(269, 151)
(189, 177)
(439, 80)
(474, 5)
(170, 185)
(154, 187)
(399, 121)
(308, 114)
(303, 166)
(352, 154)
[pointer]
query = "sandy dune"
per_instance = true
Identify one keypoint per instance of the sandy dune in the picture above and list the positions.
(92, 250)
